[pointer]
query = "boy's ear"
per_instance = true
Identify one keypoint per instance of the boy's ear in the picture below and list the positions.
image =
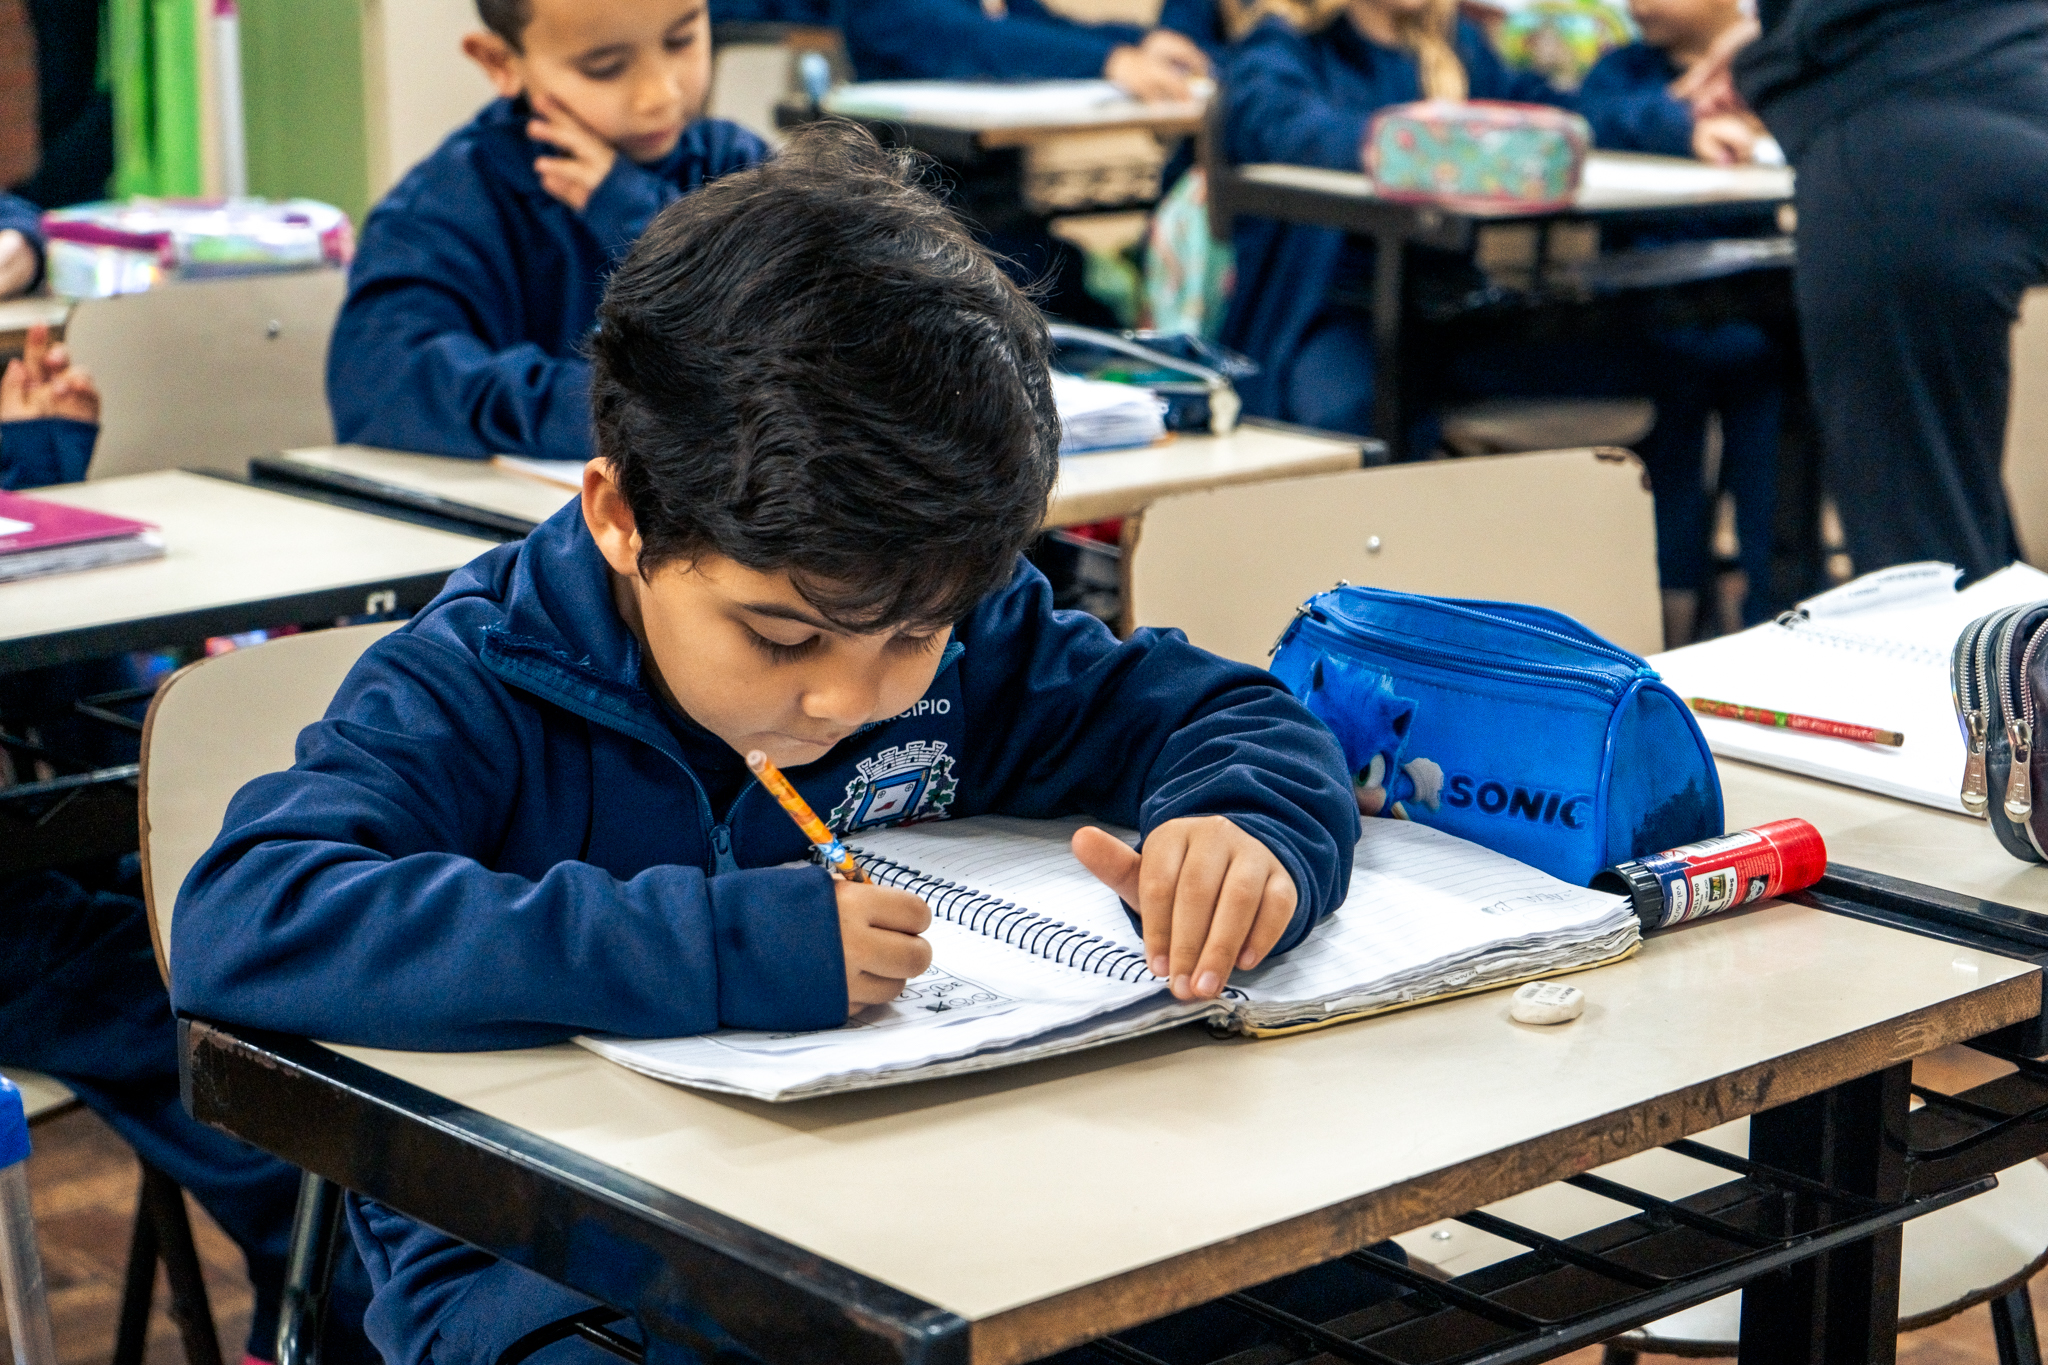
(500, 63)
(610, 519)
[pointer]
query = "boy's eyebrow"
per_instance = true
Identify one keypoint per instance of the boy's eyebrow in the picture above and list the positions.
(785, 613)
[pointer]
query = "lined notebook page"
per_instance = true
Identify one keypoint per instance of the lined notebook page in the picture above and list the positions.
(1885, 665)
(1030, 862)
(1428, 912)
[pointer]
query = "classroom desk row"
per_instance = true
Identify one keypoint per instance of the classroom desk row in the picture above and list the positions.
(1058, 1201)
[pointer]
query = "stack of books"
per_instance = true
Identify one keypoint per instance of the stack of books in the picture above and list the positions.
(38, 538)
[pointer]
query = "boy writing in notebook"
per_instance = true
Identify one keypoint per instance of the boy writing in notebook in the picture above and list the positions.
(825, 433)
(478, 276)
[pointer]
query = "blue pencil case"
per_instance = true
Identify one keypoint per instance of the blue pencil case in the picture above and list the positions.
(1509, 725)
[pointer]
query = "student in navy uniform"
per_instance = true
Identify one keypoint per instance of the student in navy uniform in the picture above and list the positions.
(1302, 89)
(1920, 132)
(785, 544)
(478, 276)
(1731, 368)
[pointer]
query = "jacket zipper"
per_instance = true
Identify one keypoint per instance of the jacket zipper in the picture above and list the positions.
(1586, 680)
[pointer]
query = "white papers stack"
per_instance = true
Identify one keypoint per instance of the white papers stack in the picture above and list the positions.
(981, 104)
(1873, 652)
(1098, 415)
(1033, 957)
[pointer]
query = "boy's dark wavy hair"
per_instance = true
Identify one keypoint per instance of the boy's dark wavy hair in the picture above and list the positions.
(506, 18)
(811, 366)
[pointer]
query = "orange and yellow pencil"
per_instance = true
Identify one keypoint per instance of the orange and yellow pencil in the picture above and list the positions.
(816, 830)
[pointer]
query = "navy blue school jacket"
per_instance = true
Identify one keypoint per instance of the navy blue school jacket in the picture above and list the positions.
(1306, 98)
(45, 450)
(1627, 99)
(25, 218)
(497, 838)
(473, 289)
(956, 40)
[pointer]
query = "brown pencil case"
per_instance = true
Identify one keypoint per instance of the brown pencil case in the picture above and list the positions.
(1999, 677)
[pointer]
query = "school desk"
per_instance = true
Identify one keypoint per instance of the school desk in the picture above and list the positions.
(1108, 483)
(1534, 259)
(995, 1218)
(237, 558)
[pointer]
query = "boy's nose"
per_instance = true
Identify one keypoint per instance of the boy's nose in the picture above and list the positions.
(846, 699)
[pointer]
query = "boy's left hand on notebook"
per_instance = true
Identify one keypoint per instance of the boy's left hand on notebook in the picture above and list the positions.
(1212, 899)
(585, 159)
(43, 382)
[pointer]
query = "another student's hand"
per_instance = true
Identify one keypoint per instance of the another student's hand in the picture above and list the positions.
(44, 383)
(1157, 70)
(586, 158)
(1724, 139)
(1211, 898)
(17, 263)
(1708, 85)
(879, 928)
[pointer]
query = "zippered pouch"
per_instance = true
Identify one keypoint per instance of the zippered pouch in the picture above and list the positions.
(1509, 725)
(1998, 675)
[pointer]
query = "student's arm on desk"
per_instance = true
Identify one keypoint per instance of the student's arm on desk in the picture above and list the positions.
(1061, 717)
(348, 899)
(1278, 109)
(955, 40)
(1630, 113)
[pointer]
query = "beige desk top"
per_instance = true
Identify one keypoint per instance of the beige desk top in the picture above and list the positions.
(1110, 483)
(1012, 126)
(225, 544)
(1614, 181)
(1878, 834)
(1050, 1203)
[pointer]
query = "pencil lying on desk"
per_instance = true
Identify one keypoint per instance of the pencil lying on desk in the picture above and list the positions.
(1787, 720)
(816, 830)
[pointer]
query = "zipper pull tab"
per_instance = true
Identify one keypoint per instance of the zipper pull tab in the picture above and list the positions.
(721, 850)
(1976, 787)
(2019, 787)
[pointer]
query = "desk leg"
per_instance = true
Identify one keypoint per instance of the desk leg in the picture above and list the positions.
(1841, 1308)
(1389, 375)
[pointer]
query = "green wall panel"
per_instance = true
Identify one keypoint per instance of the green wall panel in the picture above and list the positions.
(302, 79)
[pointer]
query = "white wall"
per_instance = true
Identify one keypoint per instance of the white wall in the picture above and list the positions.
(417, 85)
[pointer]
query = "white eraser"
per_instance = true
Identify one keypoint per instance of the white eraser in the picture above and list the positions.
(1547, 1002)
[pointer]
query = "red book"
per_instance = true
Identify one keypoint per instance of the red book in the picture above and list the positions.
(38, 537)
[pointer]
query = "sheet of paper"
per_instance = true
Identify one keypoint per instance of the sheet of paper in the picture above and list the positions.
(1884, 664)
(562, 473)
(989, 104)
(1680, 179)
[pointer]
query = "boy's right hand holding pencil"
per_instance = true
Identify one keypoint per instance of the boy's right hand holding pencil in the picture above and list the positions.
(878, 929)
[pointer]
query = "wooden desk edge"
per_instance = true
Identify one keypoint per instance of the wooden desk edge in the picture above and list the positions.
(1030, 1331)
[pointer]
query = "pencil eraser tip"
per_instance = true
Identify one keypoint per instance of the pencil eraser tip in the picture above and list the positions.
(1547, 1002)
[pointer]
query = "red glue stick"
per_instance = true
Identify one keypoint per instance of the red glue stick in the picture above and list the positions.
(1712, 875)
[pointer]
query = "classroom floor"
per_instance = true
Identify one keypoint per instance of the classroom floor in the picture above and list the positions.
(83, 1181)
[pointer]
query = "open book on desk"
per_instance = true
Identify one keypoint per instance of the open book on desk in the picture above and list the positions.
(1874, 652)
(1032, 957)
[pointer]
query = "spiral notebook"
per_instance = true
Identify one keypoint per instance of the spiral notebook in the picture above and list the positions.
(1874, 651)
(1032, 957)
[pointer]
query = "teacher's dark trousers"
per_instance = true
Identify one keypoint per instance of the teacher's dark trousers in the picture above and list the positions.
(1922, 218)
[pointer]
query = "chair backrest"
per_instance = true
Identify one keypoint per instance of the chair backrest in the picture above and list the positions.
(206, 375)
(2026, 430)
(212, 727)
(1567, 529)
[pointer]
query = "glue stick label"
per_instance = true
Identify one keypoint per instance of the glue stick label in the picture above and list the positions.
(1720, 873)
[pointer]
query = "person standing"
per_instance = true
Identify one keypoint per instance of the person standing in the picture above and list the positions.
(1920, 132)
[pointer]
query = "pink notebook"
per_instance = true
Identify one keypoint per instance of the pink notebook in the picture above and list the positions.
(38, 538)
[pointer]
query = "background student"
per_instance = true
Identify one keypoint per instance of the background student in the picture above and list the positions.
(478, 276)
(1302, 86)
(1920, 132)
(1730, 368)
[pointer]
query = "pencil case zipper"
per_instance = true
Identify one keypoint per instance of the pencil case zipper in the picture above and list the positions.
(1590, 681)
